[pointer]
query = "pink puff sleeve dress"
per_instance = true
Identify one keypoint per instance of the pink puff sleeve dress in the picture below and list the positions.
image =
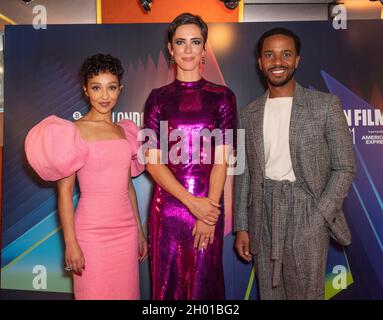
(105, 224)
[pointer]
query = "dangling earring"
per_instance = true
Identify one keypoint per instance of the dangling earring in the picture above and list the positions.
(172, 60)
(203, 59)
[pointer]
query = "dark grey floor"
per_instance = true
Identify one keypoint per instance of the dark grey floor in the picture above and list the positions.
(33, 295)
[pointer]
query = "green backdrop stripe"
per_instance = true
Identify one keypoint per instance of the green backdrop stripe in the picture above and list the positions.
(30, 249)
(250, 285)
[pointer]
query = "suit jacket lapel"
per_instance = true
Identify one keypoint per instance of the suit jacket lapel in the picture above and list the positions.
(256, 114)
(297, 121)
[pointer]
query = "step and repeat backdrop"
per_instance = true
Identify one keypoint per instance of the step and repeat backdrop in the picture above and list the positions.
(42, 78)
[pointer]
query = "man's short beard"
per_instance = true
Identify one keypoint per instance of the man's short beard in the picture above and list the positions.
(284, 82)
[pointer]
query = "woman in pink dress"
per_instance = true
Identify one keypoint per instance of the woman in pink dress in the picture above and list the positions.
(104, 240)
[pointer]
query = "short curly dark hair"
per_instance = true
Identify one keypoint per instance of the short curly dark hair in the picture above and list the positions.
(99, 63)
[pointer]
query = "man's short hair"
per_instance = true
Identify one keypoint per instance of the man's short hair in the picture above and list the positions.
(279, 31)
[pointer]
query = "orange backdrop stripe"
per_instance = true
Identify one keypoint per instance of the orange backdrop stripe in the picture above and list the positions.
(129, 11)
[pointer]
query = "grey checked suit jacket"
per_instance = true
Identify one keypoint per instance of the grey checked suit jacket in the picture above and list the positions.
(322, 158)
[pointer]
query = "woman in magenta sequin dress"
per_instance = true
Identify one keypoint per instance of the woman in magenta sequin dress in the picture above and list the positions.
(186, 221)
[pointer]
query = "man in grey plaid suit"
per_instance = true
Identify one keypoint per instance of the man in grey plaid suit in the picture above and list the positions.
(299, 167)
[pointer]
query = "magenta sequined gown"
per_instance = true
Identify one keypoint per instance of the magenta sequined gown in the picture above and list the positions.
(180, 272)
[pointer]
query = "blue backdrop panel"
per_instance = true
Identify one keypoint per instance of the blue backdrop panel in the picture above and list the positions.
(42, 78)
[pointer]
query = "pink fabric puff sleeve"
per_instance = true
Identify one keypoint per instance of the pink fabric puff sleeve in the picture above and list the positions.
(54, 148)
(132, 134)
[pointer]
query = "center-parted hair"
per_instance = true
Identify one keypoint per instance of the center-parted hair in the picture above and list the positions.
(100, 63)
(187, 18)
(279, 31)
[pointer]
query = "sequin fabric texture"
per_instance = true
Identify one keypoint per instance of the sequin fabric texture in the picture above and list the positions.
(178, 270)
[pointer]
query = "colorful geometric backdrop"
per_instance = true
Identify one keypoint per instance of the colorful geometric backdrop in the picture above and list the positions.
(42, 79)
